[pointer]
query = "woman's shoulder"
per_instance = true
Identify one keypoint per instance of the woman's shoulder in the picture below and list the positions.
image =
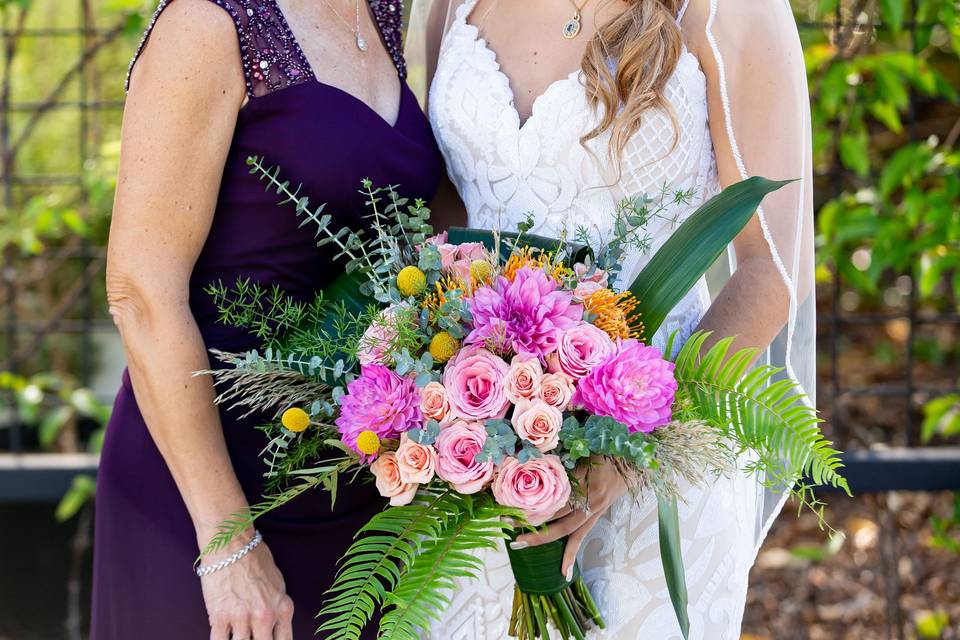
(183, 33)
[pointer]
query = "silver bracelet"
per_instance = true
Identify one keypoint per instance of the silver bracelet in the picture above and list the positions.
(226, 562)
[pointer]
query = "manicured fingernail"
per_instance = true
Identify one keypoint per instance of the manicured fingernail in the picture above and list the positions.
(569, 575)
(516, 545)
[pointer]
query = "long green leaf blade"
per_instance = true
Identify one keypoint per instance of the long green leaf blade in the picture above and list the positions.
(694, 247)
(669, 525)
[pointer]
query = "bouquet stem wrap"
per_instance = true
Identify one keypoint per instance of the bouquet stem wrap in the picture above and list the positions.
(543, 598)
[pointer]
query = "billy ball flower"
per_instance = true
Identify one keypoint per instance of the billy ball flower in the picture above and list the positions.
(635, 386)
(368, 443)
(411, 281)
(443, 346)
(381, 401)
(295, 419)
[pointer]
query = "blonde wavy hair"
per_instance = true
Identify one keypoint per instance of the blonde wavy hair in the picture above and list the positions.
(646, 43)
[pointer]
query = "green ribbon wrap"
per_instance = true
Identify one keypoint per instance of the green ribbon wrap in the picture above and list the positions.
(537, 569)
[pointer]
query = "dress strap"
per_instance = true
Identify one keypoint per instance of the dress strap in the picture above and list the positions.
(388, 15)
(683, 10)
(272, 59)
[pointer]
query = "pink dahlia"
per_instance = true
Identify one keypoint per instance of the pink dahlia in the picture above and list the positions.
(635, 385)
(381, 401)
(527, 315)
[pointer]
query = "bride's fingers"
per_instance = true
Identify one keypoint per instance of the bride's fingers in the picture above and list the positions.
(573, 545)
(556, 530)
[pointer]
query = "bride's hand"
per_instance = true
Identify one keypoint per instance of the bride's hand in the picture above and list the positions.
(604, 485)
(248, 600)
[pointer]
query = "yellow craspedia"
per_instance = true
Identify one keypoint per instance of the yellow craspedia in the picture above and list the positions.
(411, 281)
(443, 346)
(295, 419)
(481, 270)
(368, 442)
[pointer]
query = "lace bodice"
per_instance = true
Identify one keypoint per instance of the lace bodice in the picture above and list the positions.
(504, 169)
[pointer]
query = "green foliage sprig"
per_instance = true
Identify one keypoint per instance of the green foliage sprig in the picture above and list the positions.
(405, 560)
(767, 416)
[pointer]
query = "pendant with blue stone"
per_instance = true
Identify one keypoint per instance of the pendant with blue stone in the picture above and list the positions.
(572, 28)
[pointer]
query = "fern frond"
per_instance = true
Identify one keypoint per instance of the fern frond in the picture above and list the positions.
(424, 590)
(762, 413)
(371, 567)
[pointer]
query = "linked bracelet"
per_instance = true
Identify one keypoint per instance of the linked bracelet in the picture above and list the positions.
(226, 562)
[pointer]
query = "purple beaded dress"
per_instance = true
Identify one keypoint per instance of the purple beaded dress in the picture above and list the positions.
(145, 546)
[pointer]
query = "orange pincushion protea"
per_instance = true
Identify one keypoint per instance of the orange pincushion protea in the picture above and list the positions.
(542, 260)
(615, 313)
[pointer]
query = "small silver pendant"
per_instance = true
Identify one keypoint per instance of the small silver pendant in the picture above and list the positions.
(361, 43)
(572, 28)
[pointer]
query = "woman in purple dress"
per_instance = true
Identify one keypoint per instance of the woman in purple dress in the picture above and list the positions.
(317, 87)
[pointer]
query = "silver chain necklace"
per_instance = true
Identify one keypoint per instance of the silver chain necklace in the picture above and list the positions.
(361, 42)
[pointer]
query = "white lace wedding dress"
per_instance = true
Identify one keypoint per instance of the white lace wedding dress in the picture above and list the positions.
(504, 168)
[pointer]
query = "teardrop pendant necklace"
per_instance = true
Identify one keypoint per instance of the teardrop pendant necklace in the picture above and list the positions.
(359, 39)
(571, 29)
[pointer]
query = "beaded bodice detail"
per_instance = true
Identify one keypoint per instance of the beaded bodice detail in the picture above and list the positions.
(271, 56)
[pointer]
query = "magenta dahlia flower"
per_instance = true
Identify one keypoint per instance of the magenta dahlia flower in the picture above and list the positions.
(381, 401)
(527, 315)
(635, 385)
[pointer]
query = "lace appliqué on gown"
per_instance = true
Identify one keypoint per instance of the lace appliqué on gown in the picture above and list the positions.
(504, 169)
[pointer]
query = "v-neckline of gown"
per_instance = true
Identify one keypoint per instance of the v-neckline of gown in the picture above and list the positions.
(282, 18)
(466, 10)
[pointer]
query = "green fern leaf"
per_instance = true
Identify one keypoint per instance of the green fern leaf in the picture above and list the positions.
(764, 414)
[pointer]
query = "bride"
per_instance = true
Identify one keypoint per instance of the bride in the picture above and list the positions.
(563, 108)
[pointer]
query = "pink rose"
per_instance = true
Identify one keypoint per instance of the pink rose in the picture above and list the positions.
(381, 336)
(538, 423)
(580, 350)
(437, 240)
(416, 461)
(474, 380)
(588, 285)
(448, 255)
(456, 259)
(523, 379)
(457, 446)
(539, 487)
(387, 474)
(556, 389)
(435, 404)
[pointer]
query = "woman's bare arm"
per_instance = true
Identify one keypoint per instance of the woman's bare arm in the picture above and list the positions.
(178, 124)
(766, 89)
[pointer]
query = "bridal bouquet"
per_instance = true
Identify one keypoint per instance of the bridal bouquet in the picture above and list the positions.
(476, 376)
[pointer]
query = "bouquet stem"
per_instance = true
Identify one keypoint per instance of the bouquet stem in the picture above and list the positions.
(543, 599)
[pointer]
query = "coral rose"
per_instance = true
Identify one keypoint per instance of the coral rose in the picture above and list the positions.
(417, 462)
(523, 379)
(387, 474)
(435, 404)
(556, 389)
(538, 423)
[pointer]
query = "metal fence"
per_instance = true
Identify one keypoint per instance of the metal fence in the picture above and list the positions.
(92, 95)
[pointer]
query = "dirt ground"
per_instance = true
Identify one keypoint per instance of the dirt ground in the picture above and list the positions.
(887, 580)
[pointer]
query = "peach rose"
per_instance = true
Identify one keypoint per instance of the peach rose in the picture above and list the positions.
(588, 285)
(523, 379)
(556, 389)
(539, 487)
(387, 473)
(416, 461)
(435, 404)
(538, 423)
